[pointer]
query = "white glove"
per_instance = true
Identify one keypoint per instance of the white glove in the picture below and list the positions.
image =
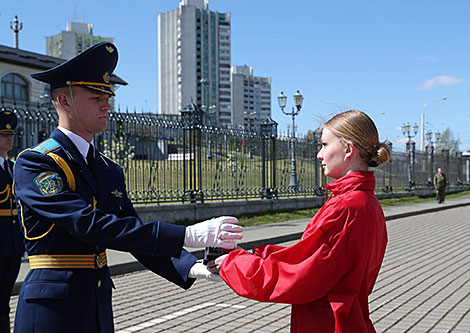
(213, 233)
(199, 271)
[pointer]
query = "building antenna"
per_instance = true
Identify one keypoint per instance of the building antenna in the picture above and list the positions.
(16, 27)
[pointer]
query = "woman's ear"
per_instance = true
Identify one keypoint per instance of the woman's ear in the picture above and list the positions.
(349, 150)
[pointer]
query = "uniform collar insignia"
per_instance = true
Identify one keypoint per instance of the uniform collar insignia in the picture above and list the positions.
(116, 193)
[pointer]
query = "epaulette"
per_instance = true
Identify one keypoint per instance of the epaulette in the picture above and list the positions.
(49, 145)
(46, 146)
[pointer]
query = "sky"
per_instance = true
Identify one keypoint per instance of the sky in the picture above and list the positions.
(390, 59)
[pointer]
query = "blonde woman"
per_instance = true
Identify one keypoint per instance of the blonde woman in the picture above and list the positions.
(328, 275)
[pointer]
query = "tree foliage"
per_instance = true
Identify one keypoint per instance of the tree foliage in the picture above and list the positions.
(448, 142)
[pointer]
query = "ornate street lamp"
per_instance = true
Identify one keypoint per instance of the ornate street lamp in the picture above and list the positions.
(410, 146)
(282, 100)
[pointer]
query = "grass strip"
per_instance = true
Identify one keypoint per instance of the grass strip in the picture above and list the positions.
(253, 219)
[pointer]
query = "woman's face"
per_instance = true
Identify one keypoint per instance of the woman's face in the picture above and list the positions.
(333, 155)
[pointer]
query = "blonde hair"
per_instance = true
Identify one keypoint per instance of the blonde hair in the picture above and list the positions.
(357, 127)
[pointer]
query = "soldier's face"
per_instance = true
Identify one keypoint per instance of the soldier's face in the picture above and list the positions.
(91, 108)
(6, 143)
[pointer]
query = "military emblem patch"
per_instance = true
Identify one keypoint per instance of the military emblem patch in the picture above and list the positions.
(49, 183)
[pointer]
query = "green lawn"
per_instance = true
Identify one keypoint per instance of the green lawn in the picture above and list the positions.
(281, 216)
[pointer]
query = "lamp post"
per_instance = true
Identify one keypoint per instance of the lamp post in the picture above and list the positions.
(410, 133)
(282, 99)
(422, 119)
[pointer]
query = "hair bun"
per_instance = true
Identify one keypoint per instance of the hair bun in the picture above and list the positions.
(380, 153)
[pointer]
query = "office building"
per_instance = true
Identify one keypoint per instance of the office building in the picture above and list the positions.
(251, 98)
(194, 60)
(76, 38)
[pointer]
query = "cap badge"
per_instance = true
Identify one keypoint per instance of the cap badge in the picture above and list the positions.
(7, 113)
(110, 49)
(8, 126)
(106, 77)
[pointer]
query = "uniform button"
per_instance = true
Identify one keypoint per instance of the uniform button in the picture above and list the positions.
(14, 221)
(99, 283)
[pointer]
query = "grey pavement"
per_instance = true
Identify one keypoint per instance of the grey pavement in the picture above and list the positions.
(423, 286)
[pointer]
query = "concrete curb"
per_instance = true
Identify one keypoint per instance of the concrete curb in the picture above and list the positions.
(136, 266)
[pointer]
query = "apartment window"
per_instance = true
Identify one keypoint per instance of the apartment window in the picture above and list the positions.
(14, 87)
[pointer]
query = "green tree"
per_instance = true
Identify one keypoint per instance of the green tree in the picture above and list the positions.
(447, 141)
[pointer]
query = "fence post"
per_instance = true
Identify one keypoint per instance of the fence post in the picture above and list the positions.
(459, 168)
(268, 133)
(431, 164)
(445, 152)
(410, 146)
(192, 117)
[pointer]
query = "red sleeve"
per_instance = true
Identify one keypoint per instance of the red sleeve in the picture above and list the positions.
(265, 250)
(297, 274)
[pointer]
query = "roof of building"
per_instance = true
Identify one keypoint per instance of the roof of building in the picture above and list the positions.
(39, 61)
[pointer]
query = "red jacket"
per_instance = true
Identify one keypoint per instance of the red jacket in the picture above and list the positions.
(328, 275)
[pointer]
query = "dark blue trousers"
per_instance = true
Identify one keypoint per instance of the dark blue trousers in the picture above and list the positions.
(9, 269)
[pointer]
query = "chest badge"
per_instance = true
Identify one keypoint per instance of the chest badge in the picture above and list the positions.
(116, 193)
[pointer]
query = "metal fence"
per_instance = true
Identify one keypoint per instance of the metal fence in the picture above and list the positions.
(180, 159)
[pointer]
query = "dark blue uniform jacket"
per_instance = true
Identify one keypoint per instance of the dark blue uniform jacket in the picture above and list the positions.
(56, 207)
(11, 240)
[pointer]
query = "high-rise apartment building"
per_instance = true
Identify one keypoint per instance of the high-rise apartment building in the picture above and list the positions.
(194, 60)
(251, 98)
(76, 38)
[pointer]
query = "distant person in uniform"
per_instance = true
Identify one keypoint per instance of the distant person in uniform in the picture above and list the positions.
(440, 184)
(11, 240)
(328, 275)
(73, 204)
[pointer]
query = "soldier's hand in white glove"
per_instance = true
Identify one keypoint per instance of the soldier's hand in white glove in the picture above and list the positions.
(200, 271)
(216, 232)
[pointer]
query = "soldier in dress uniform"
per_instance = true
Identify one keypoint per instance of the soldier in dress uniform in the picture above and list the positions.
(11, 241)
(73, 204)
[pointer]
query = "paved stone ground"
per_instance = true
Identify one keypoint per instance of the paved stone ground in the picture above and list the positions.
(423, 286)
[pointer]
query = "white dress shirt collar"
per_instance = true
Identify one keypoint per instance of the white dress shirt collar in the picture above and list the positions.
(79, 142)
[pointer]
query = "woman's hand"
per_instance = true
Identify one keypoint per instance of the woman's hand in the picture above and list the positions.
(214, 265)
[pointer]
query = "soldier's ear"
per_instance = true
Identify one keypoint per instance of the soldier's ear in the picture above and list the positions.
(63, 100)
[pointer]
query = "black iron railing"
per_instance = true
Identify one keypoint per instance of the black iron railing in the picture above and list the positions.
(180, 159)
